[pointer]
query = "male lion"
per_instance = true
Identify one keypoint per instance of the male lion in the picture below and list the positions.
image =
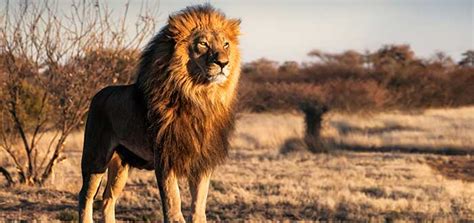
(175, 119)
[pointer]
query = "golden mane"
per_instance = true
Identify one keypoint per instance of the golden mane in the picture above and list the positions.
(189, 121)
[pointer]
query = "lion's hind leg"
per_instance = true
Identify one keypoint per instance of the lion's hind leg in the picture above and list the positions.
(97, 152)
(92, 173)
(116, 180)
(90, 186)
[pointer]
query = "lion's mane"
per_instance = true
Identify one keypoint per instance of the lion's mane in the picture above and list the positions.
(189, 122)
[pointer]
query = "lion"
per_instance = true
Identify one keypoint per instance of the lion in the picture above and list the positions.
(175, 119)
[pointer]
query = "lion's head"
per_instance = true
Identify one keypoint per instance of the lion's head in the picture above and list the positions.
(188, 75)
(209, 53)
(206, 42)
(199, 45)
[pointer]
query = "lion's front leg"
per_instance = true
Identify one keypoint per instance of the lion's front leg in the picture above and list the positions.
(170, 198)
(199, 187)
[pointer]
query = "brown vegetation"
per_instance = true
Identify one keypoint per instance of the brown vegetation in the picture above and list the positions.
(392, 77)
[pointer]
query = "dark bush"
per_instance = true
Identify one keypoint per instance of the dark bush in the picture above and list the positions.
(313, 118)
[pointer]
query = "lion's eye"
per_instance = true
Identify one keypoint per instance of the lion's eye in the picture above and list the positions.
(226, 45)
(202, 44)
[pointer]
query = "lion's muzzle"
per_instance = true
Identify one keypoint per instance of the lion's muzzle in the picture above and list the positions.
(218, 78)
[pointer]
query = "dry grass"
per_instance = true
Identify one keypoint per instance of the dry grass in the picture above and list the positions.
(268, 130)
(430, 130)
(258, 182)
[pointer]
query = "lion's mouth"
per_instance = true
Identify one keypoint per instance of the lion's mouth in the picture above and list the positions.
(218, 78)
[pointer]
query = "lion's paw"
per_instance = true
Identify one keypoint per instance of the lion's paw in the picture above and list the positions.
(198, 218)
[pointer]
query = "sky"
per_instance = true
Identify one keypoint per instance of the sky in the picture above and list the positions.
(284, 30)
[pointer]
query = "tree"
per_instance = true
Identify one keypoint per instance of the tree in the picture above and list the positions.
(261, 66)
(52, 65)
(289, 67)
(468, 59)
(440, 60)
(350, 58)
(393, 57)
(323, 57)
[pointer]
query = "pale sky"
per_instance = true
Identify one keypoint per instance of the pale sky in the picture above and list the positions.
(287, 30)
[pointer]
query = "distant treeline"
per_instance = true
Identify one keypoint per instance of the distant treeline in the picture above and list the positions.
(390, 78)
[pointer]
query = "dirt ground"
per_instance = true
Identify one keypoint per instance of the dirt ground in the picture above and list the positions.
(260, 182)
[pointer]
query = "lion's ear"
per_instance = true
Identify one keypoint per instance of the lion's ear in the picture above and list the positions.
(233, 27)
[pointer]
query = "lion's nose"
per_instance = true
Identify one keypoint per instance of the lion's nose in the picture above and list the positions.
(221, 64)
(220, 60)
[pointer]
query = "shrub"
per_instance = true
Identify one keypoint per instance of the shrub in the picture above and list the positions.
(392, 77)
